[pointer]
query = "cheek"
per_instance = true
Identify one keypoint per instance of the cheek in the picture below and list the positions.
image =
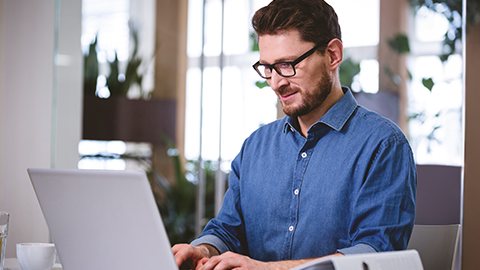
(321, 70)
(308, 84)
(310, 76)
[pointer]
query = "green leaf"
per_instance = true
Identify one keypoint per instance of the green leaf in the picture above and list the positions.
(444, 57)
(348, 70)
(399, 43)
(418, 116)
(114, 85)
(91, 69)
(261, 84)
(253, 39)
(409, 74)
(428, 83)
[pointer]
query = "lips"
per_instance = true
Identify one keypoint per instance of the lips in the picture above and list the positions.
(285, 97)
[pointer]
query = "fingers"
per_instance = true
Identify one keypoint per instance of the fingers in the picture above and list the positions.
(186, 255)
(201, 263)
(229, 260)
(190, 257)
(204, 261)
(177, 247)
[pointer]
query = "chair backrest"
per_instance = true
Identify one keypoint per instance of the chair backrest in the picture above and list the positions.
(438, 195)
(436, 244)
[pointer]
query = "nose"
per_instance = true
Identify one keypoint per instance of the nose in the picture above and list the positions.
(277, 81)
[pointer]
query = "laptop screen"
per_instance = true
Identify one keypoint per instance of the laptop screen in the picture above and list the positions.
(103, 219)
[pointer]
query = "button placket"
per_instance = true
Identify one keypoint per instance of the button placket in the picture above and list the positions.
(302, 160)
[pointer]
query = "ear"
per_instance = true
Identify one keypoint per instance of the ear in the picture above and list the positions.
(335, 51)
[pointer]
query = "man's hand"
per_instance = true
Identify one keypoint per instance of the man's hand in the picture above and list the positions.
(230, 260)
(191, 257)
(206, 257)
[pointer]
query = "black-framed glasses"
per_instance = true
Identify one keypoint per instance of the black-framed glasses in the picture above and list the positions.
(284, 69)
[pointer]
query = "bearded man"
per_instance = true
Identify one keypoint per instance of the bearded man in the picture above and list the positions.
(330, 178)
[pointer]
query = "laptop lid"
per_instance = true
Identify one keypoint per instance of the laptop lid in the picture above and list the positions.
(103, 219)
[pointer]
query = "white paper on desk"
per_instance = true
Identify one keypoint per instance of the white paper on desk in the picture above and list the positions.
(394, 260)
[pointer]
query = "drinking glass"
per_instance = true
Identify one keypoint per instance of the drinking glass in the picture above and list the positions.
(4, 217)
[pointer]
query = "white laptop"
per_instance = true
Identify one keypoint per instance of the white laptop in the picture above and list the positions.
(390, 260)
(103, 219)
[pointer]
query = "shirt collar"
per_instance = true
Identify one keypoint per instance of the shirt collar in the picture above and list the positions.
(335, 118)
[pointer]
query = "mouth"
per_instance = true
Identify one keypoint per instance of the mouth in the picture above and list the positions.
(285, 97)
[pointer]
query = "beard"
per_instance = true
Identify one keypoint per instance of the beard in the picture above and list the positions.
(310, 100)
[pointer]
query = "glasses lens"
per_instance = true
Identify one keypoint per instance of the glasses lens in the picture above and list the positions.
(283, 69)
(286, 69)
(264, 71)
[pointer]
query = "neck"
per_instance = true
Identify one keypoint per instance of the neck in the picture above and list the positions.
(306, 121)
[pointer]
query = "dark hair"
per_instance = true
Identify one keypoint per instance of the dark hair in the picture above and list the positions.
(316, 20)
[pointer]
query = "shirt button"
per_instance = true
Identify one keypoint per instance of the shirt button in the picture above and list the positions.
(296, 191)
(290, 228)
(304, 155)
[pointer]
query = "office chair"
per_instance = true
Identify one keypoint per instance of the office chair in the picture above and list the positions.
(436, 244)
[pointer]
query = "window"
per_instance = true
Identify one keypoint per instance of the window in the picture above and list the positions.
(229, 106)
(435, 114)
(110, 22)
(223, 104)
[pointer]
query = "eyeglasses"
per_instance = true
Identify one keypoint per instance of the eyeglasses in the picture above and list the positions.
(284, 69)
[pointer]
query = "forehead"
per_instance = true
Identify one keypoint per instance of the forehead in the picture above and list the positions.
(283, 46)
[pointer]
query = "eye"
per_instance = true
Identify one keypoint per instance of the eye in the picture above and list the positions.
(283, 65)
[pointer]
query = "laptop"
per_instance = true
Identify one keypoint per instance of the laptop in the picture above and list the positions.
(103, 219)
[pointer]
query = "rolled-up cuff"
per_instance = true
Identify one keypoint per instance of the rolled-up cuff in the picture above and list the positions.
(211, 240)
(357, 249)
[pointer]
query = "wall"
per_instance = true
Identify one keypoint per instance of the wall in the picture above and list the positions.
(3, 4)
(26, 99)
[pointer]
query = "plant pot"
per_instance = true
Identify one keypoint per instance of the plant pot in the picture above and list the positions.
(120, 118)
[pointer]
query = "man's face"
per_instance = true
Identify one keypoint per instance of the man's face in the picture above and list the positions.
(308, 89)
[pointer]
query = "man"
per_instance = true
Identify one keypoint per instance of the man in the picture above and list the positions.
(330, 178)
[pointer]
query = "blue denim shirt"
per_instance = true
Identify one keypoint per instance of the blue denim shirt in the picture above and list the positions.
(348, 187)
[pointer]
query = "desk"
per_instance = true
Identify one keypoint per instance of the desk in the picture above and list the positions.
(12, 264)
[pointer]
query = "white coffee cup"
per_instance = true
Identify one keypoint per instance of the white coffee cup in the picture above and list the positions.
(36, 256)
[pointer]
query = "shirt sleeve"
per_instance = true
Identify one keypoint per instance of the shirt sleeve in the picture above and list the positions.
(211, 240)
(384, 208)
(357, 249)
